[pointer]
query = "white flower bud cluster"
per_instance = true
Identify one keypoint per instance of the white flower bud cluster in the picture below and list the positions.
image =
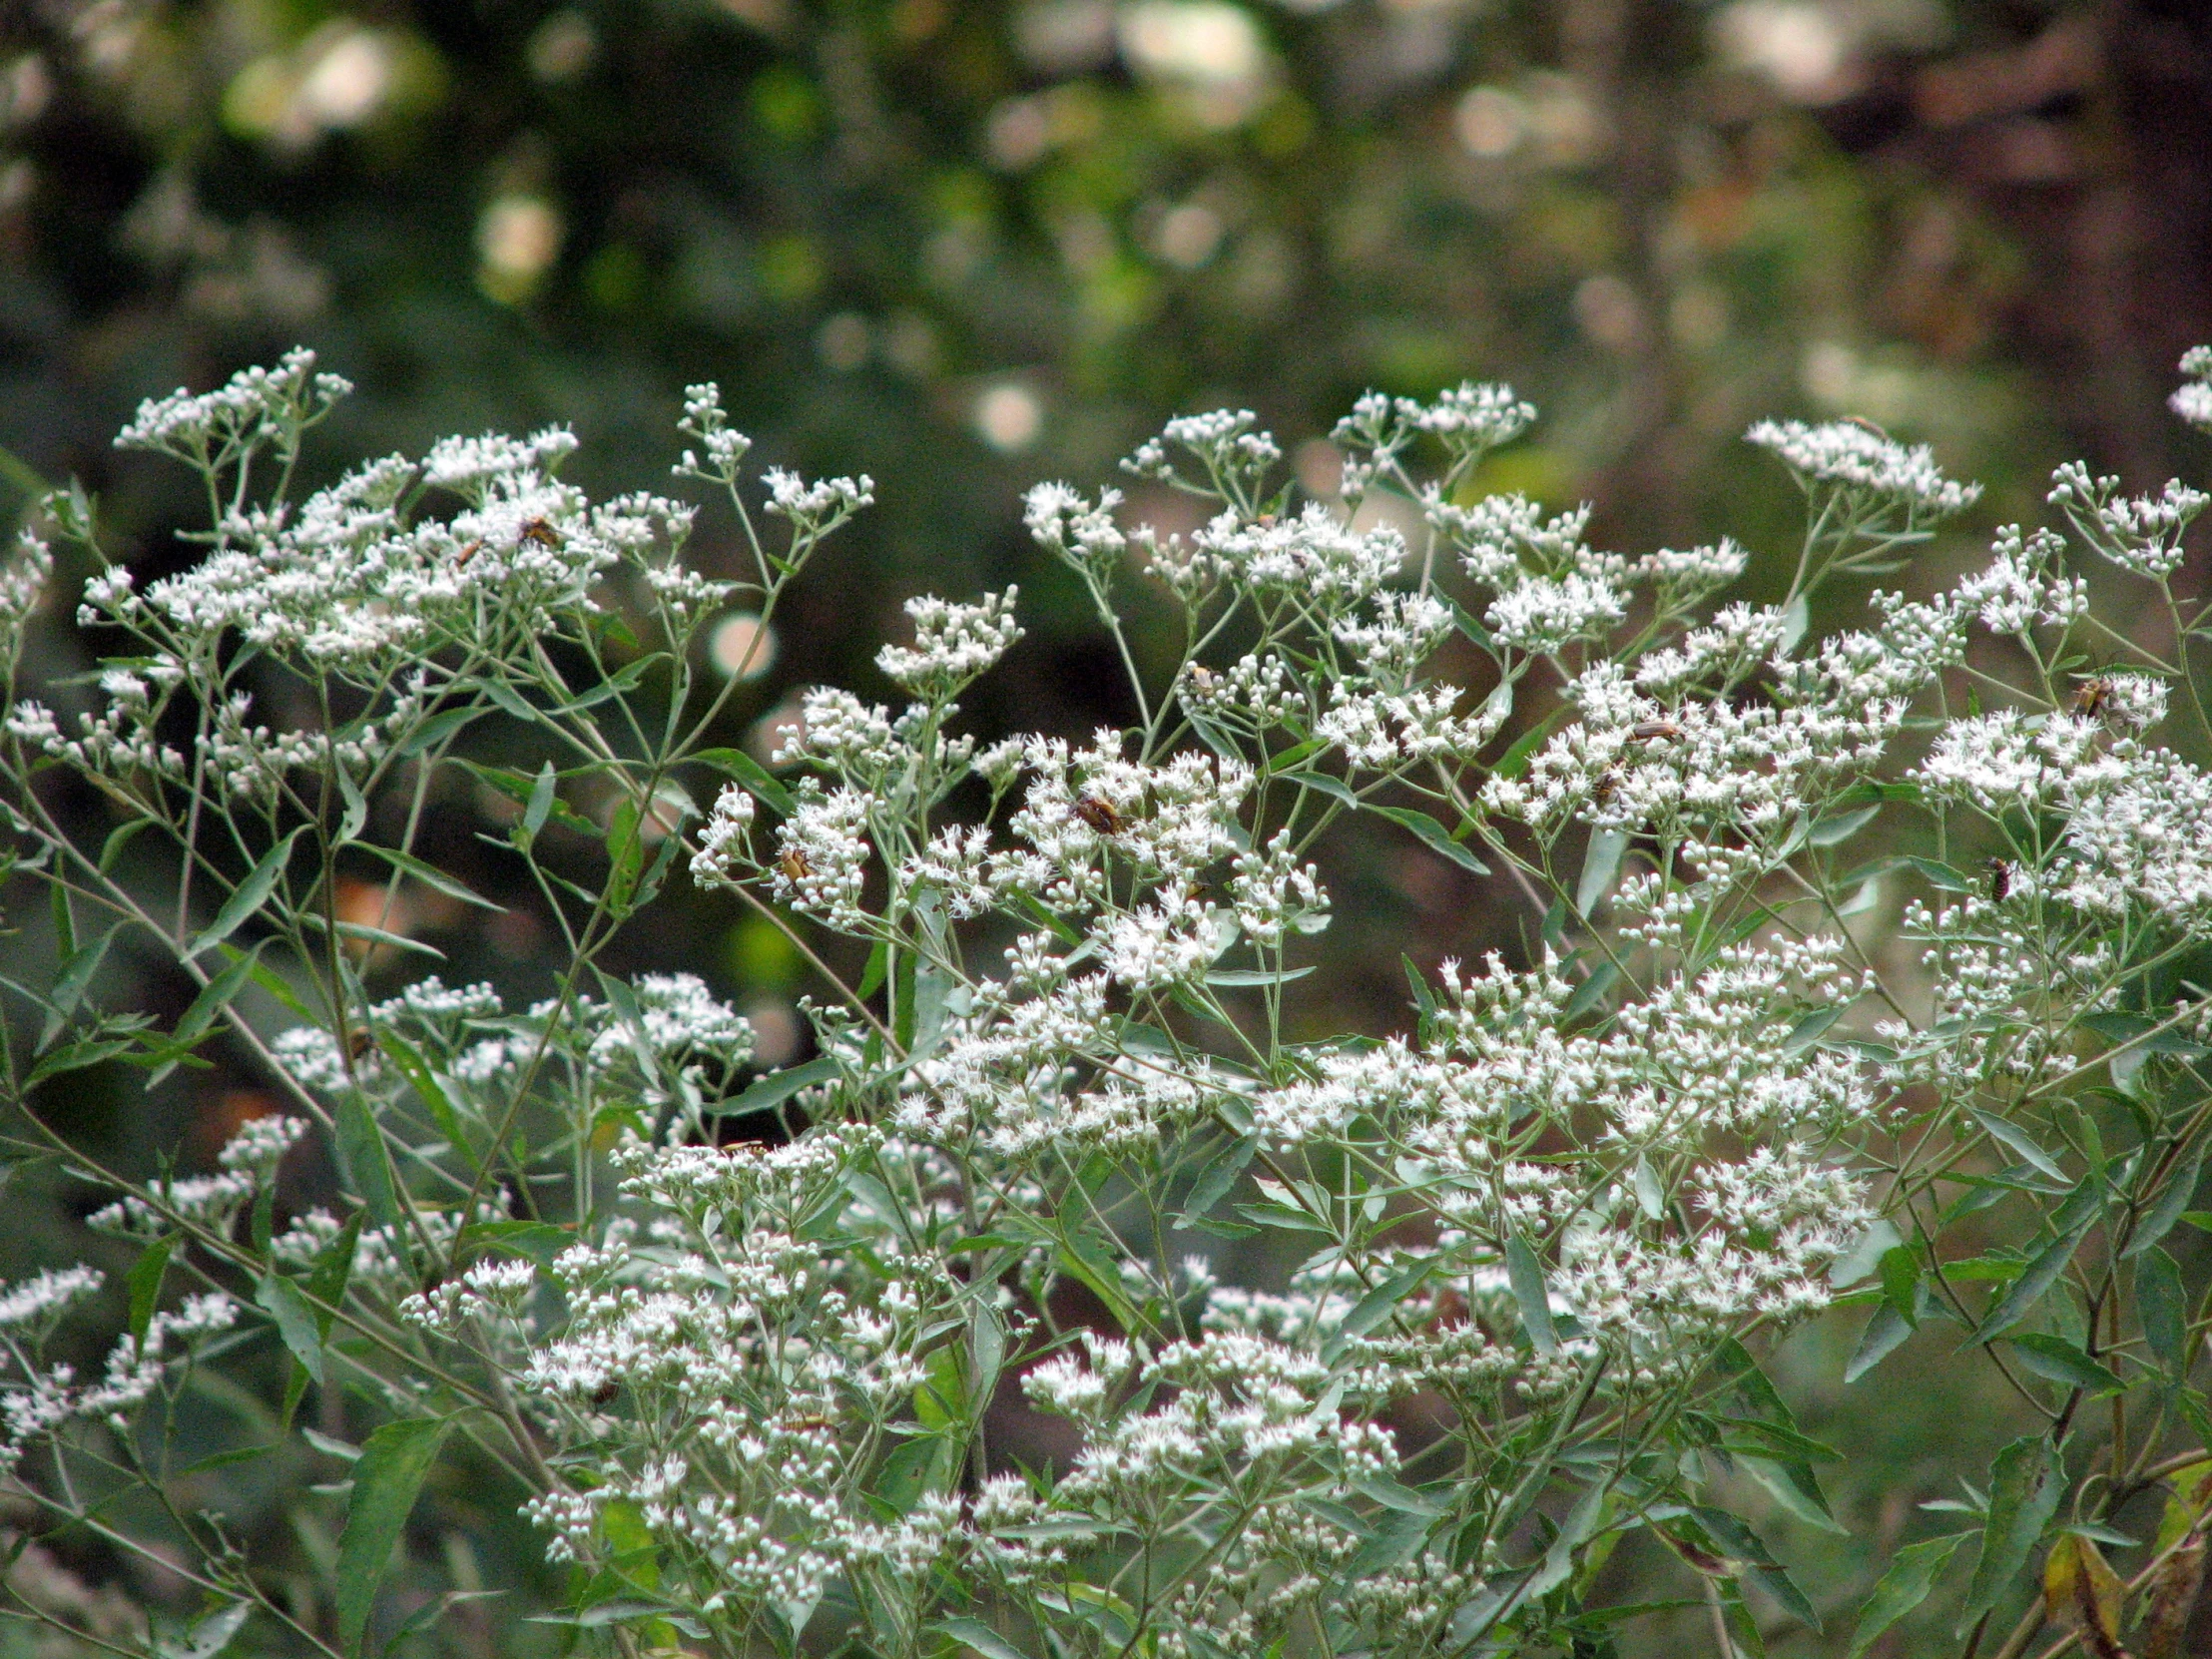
(954, 644)
(1853, 456)
(249, 1162)
(2192, 400)
(1074, 530)
(254, 406)
(2141, 534)
(37, 1403)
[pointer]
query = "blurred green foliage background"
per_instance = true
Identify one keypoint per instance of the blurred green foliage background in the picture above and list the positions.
(961, 244)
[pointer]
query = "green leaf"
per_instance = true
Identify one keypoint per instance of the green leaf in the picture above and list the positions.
(1841, 827)
(120, 838)
(1219, 1176)
(249, 896)
(70, 980)
(409, 1062)
(510, 701)
(361, 1146)
(974, 1633)
(279, 1298)
(1808, 1030)
(1526, 1275)
(386, 1478)
(210, 1636)
(1794, 1489)
(878, 969)
(2019, 1143)
(535, 1241)
(1434, 837)
(438, 729)
(333, 1267)
(986, 1355)
(1941, 875)
(1783, 1590)
(1235, 978)
(626, 850)
(540, 804)
(779, 1086)
(433, 877)
(1797, 616)
(2026, 1484)
(355, 816)
(1590, 992)
(2058, 1361)
(217, 994)
(2163, 1308)
(1883, 1335)
(1899, 1269)
(144, 1282)
(2173, 1199)
(1911, 1574)
(748, 771)
(2038, 1277)
(1601, 866)
(1377, 1304)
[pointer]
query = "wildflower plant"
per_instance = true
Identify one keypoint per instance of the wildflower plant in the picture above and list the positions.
(1357, 1343)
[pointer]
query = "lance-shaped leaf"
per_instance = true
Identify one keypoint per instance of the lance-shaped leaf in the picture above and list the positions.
(386, 1478)
(1911, 1574)
(2027, 1482)
(1526, 1275)
(2038, 1277)
(249, 896)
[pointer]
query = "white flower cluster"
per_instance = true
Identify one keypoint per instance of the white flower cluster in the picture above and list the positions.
(23, 578)
(38, 1404)
(1702, 1066)
(1853, 456)
(2141, 534)
(1073, 529)
(726, 1380)
(256, 405)
(249, 1162)
(2192, 400)
(952, 644)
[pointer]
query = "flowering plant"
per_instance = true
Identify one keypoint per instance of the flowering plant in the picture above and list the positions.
(1354, 1344)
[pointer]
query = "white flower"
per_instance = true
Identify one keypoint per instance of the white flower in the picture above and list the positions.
(2193, 401)
(1070, 528)
(952, 644)
(2142, 534)
(1857, 458)
(39, 1301)
(822, 862)
(1470, 418)
(819, 506)
(726, 839)
(1542, 615)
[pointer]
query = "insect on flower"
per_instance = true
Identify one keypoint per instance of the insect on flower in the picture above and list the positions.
(2092, 697)
(606, 1393)
(542, 533)
(1650, 730)
(1099, 815)
(792, 863)
(2001, 879)
(359, 1042)
(469, 552)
